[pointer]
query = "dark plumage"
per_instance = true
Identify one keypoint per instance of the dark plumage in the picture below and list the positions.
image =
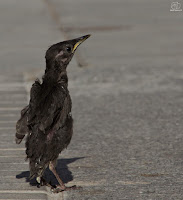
(47, 120)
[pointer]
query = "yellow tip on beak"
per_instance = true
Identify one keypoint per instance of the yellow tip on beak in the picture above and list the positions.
(80, 40)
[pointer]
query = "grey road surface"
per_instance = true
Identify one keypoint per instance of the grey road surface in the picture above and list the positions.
(126, 82)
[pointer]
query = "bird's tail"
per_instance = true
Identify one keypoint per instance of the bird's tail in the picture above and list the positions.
(35, 169)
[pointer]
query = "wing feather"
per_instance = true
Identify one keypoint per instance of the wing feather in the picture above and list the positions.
(21, 126)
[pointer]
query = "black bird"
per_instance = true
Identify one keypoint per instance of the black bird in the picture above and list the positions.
(47, 120)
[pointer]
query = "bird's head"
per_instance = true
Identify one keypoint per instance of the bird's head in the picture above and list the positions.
(60, 54)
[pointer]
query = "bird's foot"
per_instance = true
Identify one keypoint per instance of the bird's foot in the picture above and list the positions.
(42, 182)
(60, 188)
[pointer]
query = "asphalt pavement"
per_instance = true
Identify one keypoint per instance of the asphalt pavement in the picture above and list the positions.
(126, 83)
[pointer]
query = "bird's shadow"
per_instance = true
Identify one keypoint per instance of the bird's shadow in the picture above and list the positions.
(62, 169)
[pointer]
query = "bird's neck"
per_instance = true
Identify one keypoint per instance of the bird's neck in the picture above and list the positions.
(52, 78)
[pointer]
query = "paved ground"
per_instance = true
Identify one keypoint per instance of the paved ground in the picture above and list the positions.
(127, 96)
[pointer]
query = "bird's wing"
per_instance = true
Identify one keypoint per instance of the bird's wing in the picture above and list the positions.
(34, 98)
(45, 111)
(21, 126)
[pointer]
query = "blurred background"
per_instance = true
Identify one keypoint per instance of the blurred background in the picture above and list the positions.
(126, 82)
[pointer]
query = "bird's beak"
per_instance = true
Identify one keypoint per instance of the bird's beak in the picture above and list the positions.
(79, 41)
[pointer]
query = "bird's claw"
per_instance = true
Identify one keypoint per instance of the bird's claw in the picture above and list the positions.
(64, 188)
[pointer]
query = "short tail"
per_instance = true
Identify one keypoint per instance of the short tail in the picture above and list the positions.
(36, 170)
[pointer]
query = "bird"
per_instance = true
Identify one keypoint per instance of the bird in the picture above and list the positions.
(47, 120)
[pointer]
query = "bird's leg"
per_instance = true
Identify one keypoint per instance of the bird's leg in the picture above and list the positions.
(61, 187)
(52, 168)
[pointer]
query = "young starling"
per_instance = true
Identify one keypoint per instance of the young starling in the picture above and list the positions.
(47, 120)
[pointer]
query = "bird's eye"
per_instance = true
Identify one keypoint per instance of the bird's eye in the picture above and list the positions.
(68, 49)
